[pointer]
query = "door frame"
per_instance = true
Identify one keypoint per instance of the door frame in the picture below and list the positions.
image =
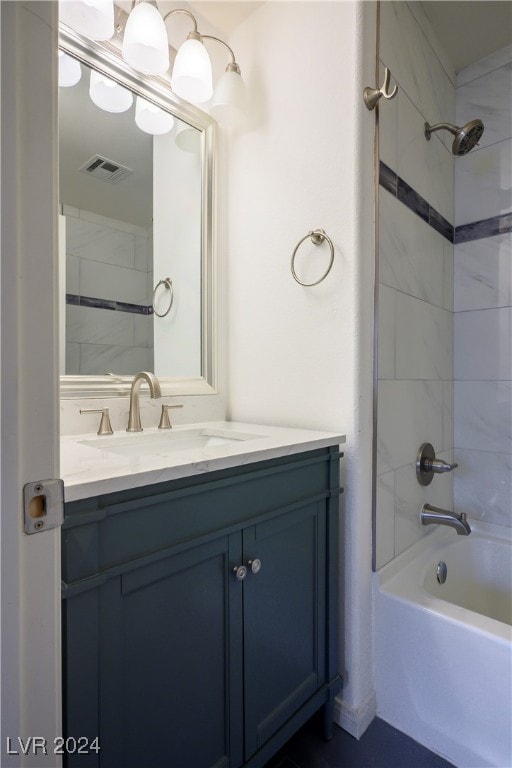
(29, 413)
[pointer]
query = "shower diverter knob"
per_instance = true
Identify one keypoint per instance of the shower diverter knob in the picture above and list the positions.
(427, 465)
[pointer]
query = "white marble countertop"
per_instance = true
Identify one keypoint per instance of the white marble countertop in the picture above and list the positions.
(90, 471)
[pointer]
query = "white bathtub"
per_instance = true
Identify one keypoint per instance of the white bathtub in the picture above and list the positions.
(443, 652)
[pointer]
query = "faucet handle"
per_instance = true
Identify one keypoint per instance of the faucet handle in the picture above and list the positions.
(105, 427)
(427, 465)
(165, 422)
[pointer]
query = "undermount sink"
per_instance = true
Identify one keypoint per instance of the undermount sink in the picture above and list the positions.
(167, 441)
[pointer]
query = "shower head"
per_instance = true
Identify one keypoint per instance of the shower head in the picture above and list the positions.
(466, 136)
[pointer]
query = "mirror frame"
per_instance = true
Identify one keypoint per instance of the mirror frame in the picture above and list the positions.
(106, 58)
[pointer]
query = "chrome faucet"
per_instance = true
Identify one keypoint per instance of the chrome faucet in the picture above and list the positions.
(134, 424)
(434, 515)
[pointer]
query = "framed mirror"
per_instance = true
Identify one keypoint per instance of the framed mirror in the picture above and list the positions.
(136, 230)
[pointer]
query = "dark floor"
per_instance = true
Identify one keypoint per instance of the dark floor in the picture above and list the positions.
(381, 746)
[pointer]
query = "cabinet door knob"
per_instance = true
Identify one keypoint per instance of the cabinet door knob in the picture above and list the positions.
(254, 565)
(240, 572)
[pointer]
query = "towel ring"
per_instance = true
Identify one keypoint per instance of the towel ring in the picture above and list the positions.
(168, 284)
(317, 236)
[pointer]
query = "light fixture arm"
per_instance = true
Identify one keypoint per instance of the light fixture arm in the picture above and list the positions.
(232, 66)
(183, 10)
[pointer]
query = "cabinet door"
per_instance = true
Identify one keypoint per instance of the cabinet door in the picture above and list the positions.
(170, 692)
(284, 619)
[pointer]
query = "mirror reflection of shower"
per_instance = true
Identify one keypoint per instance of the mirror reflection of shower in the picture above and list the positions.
(466, 136)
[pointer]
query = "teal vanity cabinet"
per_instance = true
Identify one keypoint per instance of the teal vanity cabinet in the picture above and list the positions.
(200, 615)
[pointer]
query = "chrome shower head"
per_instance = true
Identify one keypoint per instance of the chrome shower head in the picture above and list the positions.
(466, 136)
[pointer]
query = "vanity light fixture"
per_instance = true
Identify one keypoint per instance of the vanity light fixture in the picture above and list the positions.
(192, 71)
(145, 42)
(187, 138)
(229, 97)
(109, 95)
(92, 18)
(70, 70)
(145, 48)
(152, 119)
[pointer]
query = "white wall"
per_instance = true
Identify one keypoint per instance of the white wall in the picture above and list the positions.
(302, 356)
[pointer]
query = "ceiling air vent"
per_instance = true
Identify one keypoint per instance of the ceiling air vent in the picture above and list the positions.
(104, 169)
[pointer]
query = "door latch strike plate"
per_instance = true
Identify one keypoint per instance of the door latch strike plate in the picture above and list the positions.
(43, 505)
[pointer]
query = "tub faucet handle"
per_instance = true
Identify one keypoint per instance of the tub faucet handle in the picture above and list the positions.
(439, 466)
(427, 465)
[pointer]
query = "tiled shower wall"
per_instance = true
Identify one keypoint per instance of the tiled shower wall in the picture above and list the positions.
(108, 265)
(415, 306)
(483, 295)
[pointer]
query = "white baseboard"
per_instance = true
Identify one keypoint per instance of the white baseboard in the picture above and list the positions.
(355, 721)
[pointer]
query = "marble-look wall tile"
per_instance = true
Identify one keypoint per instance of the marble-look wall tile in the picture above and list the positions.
(447, 444)
(483, 485)
(388, 127)
(72, 274)
(427, 166)
(143, 325)
(99, 326)
(385, 533)
(143, 254)
(483, 66)
(488, 98)
(410, 497)
(483, 415)
(431, 35)
(409, 413)
(387, 332)
(412, 61)
(109, 223)
(108, 358)
(70, 210)
(72, 366)
(483, 344)
(483, 273)
(99, 243)
(105, 281)
(411, 253)
(448, 275)
(483, 179)
(424, 340)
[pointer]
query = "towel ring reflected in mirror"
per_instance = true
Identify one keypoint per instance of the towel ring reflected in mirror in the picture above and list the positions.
(316, 236)
(167, 282)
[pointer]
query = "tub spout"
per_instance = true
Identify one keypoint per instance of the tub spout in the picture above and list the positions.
(434, 515)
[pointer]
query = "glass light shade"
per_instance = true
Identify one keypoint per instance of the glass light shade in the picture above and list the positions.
(70, 70)
(229, 98)
(152, 119)
(107, 94)
(92, 18)
(145, 42)
(192, 72)
(188, 138)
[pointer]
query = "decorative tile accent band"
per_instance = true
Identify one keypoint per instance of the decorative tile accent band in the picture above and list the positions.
(414, 201)
(498, 225)
(119, 306)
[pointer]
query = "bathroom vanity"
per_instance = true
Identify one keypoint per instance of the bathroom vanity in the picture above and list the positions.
(200, 600)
